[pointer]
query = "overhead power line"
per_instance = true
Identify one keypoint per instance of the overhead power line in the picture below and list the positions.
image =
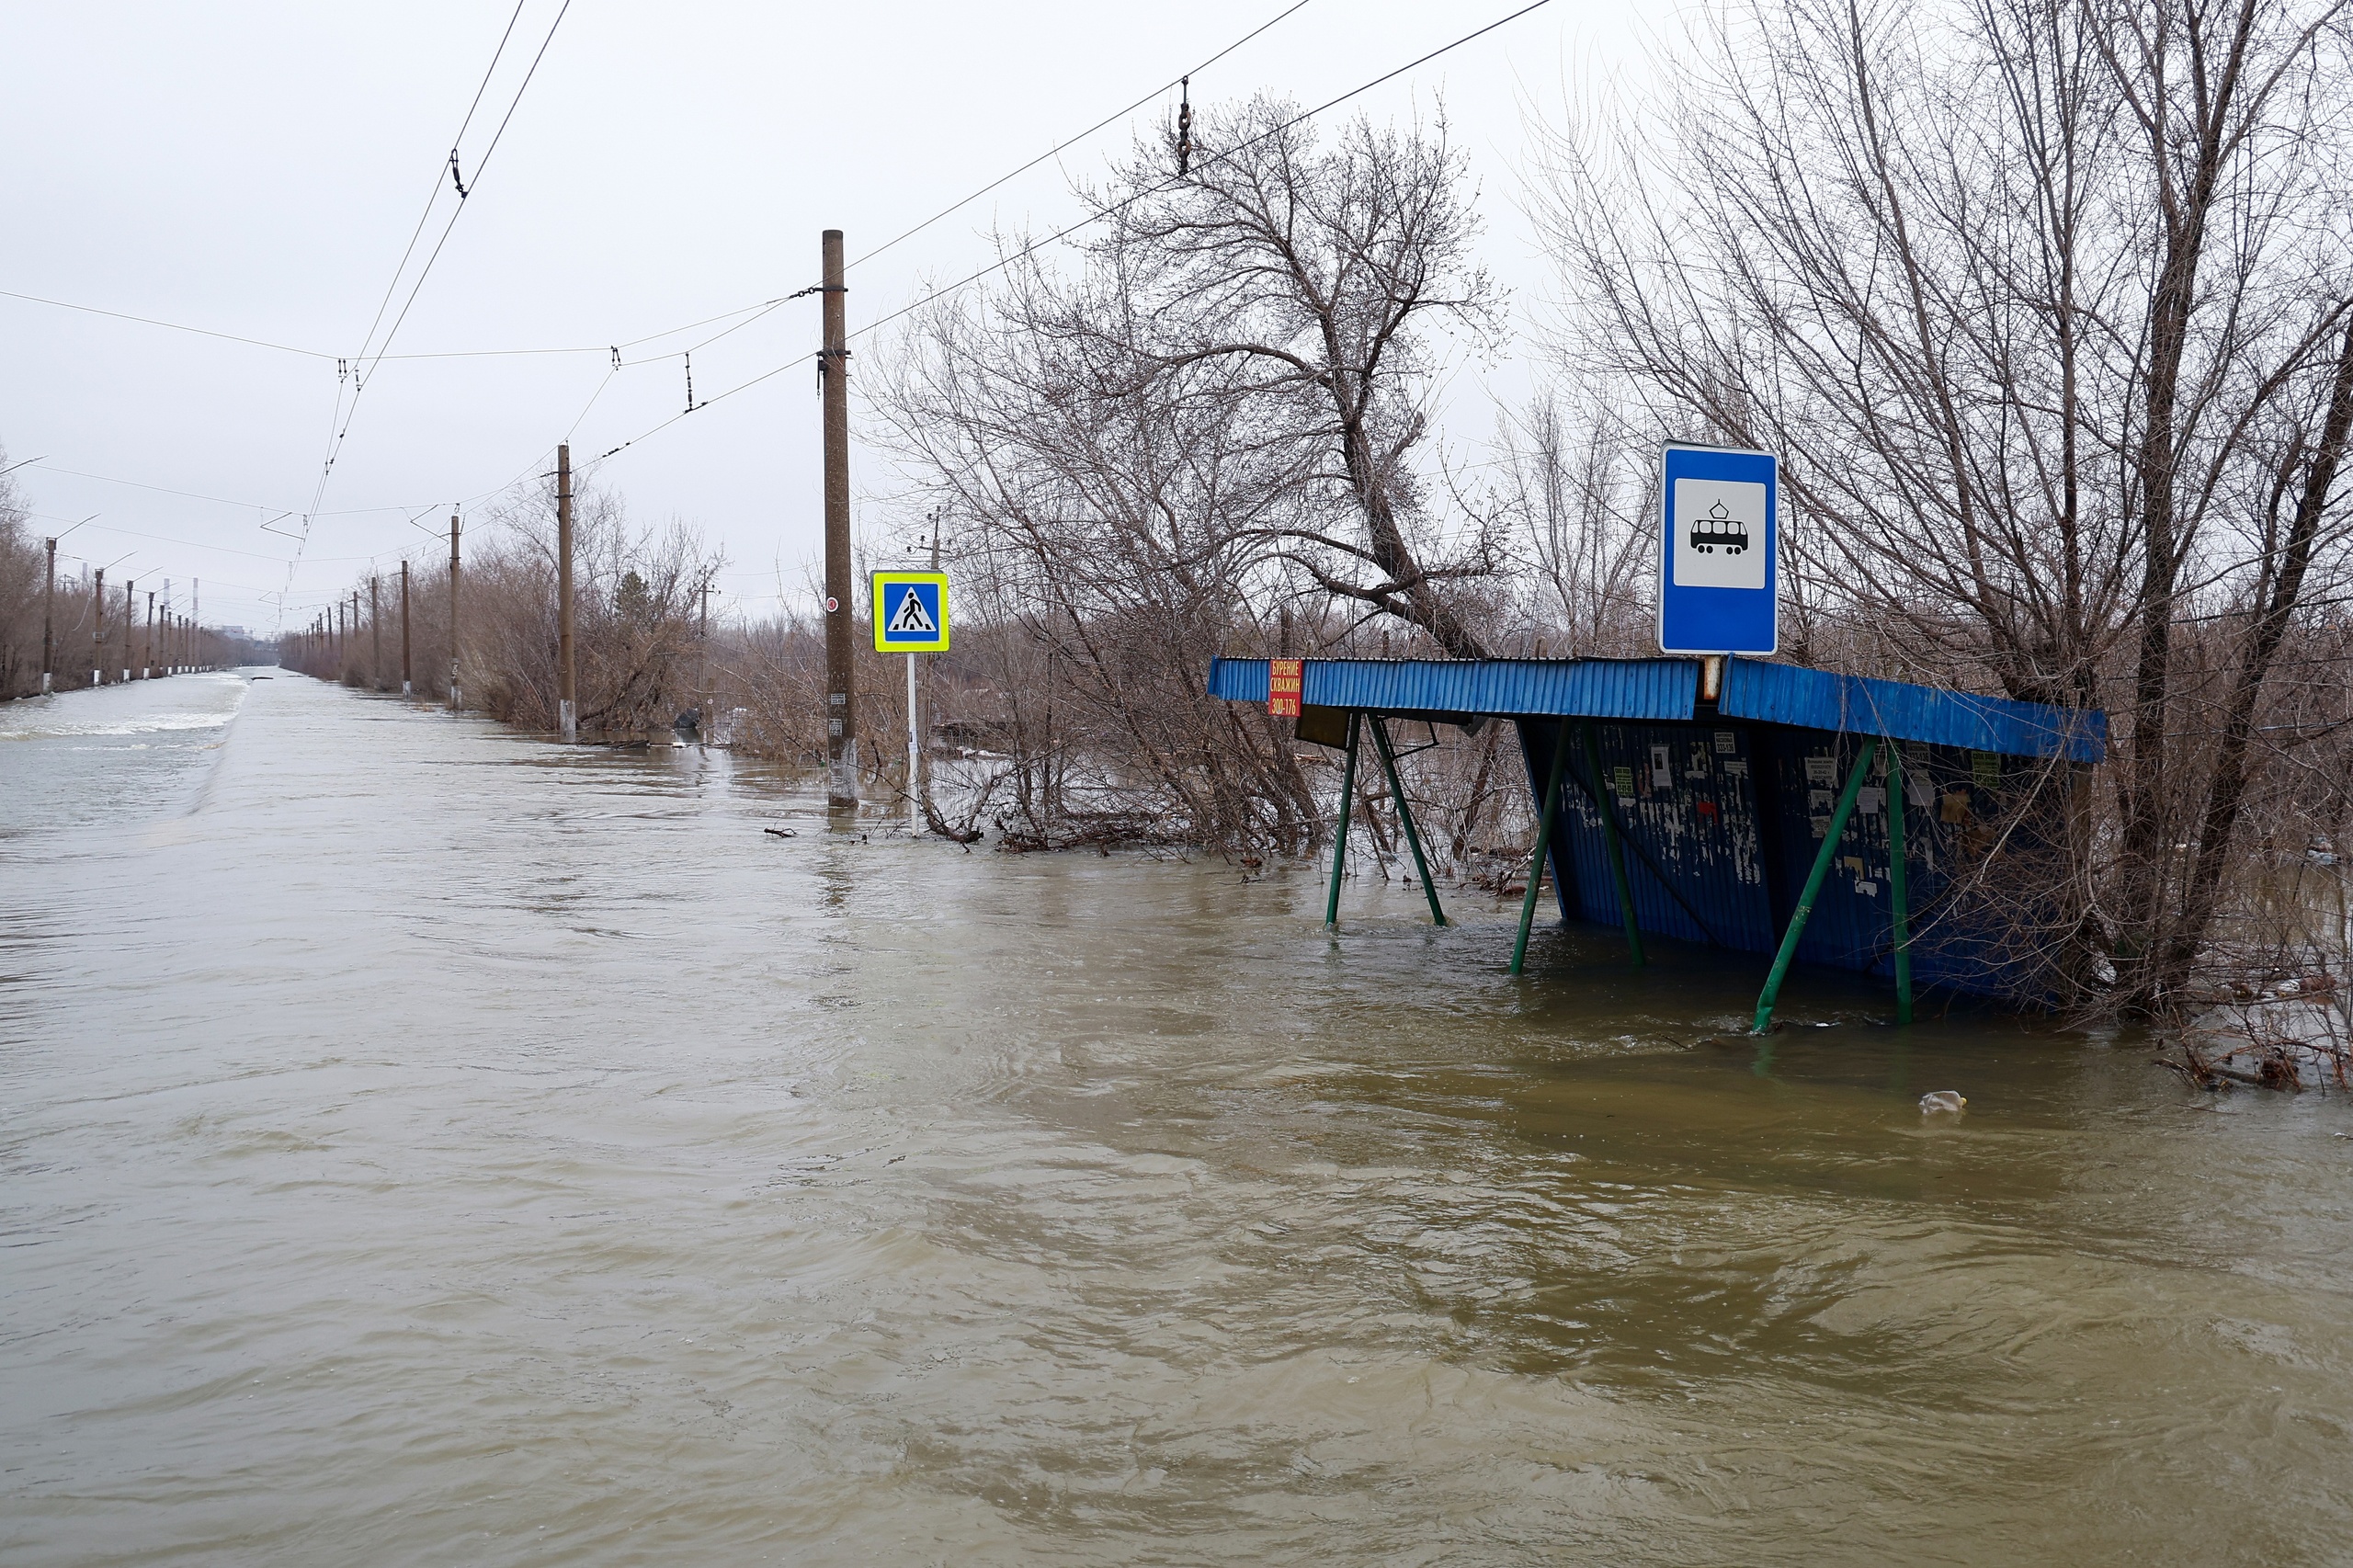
(433, 192)
(362, 373)
(762, 307)
(173, 325)
(1074, 140)
(1035, 245)
(753, 311)
(221, 500)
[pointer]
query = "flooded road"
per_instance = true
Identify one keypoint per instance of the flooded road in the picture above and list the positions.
(424, 1146)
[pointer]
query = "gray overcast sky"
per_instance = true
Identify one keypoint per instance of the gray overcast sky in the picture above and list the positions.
(256, 168)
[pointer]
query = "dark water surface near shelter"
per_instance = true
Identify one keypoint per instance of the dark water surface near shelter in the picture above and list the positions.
(421, 1144)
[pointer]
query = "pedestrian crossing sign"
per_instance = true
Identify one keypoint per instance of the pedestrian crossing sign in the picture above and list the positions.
(911, 612)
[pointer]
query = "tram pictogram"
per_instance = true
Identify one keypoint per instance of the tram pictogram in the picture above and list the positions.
(1719, 529)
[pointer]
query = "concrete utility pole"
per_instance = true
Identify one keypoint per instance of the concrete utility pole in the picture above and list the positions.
(98, 630)
(702, 666)
(567, 706)
(833, 370)
(453, 613)
(407, 689)
(49, 625)
(375, 630)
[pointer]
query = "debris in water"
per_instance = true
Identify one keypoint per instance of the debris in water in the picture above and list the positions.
(1942, 1102)
(781, 832)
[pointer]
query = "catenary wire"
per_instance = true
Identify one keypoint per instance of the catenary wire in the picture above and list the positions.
(342, 418)
(433, 197)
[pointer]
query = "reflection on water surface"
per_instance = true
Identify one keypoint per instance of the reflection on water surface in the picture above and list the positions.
(421, 1144)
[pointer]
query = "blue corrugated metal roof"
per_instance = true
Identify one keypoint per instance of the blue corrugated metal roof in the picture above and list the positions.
(1668, 689)
(1816, 700)
(1597, 688)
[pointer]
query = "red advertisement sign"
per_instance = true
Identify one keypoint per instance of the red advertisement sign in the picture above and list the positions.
(1284, 680)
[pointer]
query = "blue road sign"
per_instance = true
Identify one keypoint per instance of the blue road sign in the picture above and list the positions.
(1719, 561)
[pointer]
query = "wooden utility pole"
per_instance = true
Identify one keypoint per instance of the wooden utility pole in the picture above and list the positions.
(375, 630)
(147, 649)
(833, 370)
(98, 630)
(453, 612)
(49, 625)
(407, 689)
(567, 706)
(129, 608)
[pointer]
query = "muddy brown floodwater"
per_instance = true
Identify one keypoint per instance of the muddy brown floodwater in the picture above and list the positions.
(425, 1145)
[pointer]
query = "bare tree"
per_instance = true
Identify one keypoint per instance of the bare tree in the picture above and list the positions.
(1574, 483)
(1315, 277)
(1113, 515)
(1158, 457)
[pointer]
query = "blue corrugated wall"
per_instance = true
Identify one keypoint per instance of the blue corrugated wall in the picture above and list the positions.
(1722, 824)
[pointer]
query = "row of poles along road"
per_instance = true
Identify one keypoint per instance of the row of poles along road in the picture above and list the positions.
(330, 632)
(328, 637)
(174, 642)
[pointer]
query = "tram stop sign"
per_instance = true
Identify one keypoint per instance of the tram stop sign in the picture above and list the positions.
(1719, 561)
(911, 612)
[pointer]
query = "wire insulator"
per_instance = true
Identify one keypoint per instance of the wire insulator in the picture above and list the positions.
(1184, 125)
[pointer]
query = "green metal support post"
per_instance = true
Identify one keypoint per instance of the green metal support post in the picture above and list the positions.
(1543, 847)
(1405, 814)
(1899, 892)
(1340, 833)
(1605, 801)
(1813, 887)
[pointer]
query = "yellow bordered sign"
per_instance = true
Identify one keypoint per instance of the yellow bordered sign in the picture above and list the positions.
(911, 612)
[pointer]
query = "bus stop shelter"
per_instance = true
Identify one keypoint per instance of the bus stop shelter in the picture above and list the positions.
(1869, 825)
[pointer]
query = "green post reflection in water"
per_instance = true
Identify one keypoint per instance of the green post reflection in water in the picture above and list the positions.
(425, 1145)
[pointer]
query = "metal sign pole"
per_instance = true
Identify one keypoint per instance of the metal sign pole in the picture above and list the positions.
(914, 755)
